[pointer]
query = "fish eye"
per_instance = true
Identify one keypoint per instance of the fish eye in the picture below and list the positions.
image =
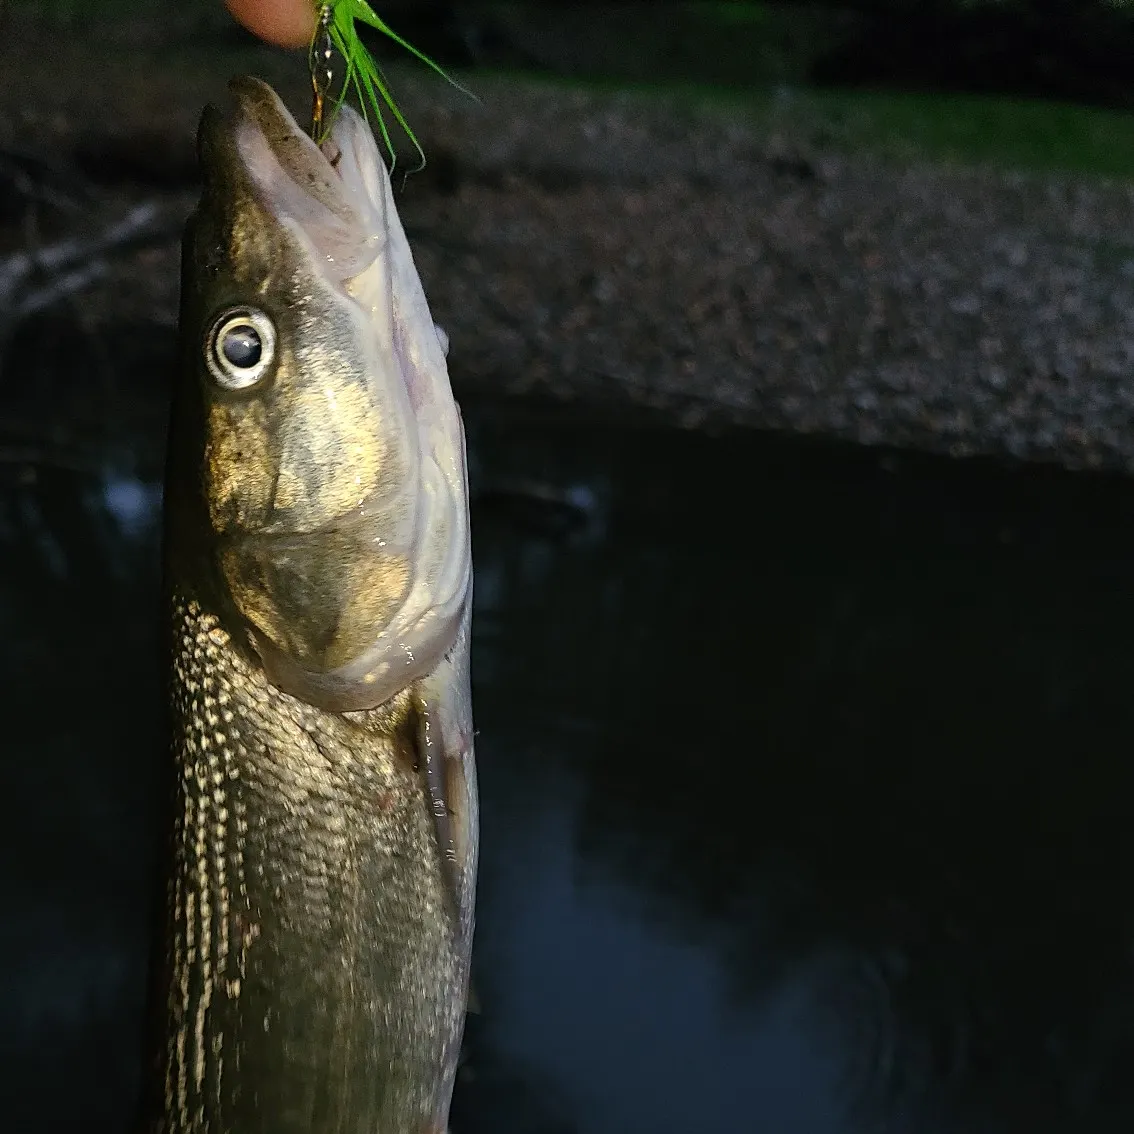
(241, 346)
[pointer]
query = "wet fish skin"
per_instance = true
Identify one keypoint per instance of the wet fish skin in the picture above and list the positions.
(314, 961)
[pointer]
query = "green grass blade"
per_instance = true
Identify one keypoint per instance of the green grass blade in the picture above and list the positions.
(363, 12)
(364, 75)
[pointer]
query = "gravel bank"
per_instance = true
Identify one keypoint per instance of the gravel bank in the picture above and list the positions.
(629, 251)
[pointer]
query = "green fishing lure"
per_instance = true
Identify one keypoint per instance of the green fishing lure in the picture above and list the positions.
(337, 28)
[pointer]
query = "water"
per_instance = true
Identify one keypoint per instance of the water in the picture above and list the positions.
(806, 778)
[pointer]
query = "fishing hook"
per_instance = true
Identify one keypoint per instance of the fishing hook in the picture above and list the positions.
(322, 75)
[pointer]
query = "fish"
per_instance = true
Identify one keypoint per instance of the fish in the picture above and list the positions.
(311, 972)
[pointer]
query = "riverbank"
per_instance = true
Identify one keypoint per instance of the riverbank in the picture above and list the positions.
(628, 250)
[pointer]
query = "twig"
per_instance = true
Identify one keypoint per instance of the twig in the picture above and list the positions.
(72, 265)
(17, 169)
(59, 288)
(143, 222)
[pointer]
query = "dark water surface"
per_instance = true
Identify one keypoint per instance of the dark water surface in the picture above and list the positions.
(806, 780)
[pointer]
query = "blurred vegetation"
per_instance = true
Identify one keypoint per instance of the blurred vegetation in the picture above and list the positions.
(1032, 84)
(956, 129)
(1079, 50)
(1070, 49)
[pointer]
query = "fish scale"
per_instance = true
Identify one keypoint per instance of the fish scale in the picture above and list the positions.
(281, 798)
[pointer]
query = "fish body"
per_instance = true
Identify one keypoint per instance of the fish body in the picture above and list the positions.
(313, 970)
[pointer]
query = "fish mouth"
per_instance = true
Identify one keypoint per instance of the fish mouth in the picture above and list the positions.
(335, 194)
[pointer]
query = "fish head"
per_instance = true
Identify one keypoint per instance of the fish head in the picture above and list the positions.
(328, 453)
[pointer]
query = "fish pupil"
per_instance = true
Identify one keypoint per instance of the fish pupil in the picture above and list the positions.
(241, 346)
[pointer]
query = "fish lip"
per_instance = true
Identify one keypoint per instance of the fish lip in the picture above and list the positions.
(254, 146)
(257, 104)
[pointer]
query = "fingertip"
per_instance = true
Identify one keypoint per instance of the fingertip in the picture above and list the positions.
(286, 23)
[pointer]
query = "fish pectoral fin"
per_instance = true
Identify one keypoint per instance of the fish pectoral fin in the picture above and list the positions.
(445, 747)
(472, 1005)
(447, 764)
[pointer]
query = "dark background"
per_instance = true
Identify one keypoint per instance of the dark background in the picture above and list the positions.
(1064, 49)
(808, 802)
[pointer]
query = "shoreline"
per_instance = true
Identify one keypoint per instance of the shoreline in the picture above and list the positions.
(608, 248)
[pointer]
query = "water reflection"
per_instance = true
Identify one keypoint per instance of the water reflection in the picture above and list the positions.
(812, 812)
(806, 797)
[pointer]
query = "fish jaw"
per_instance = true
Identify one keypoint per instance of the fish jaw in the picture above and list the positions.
(351, 439)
